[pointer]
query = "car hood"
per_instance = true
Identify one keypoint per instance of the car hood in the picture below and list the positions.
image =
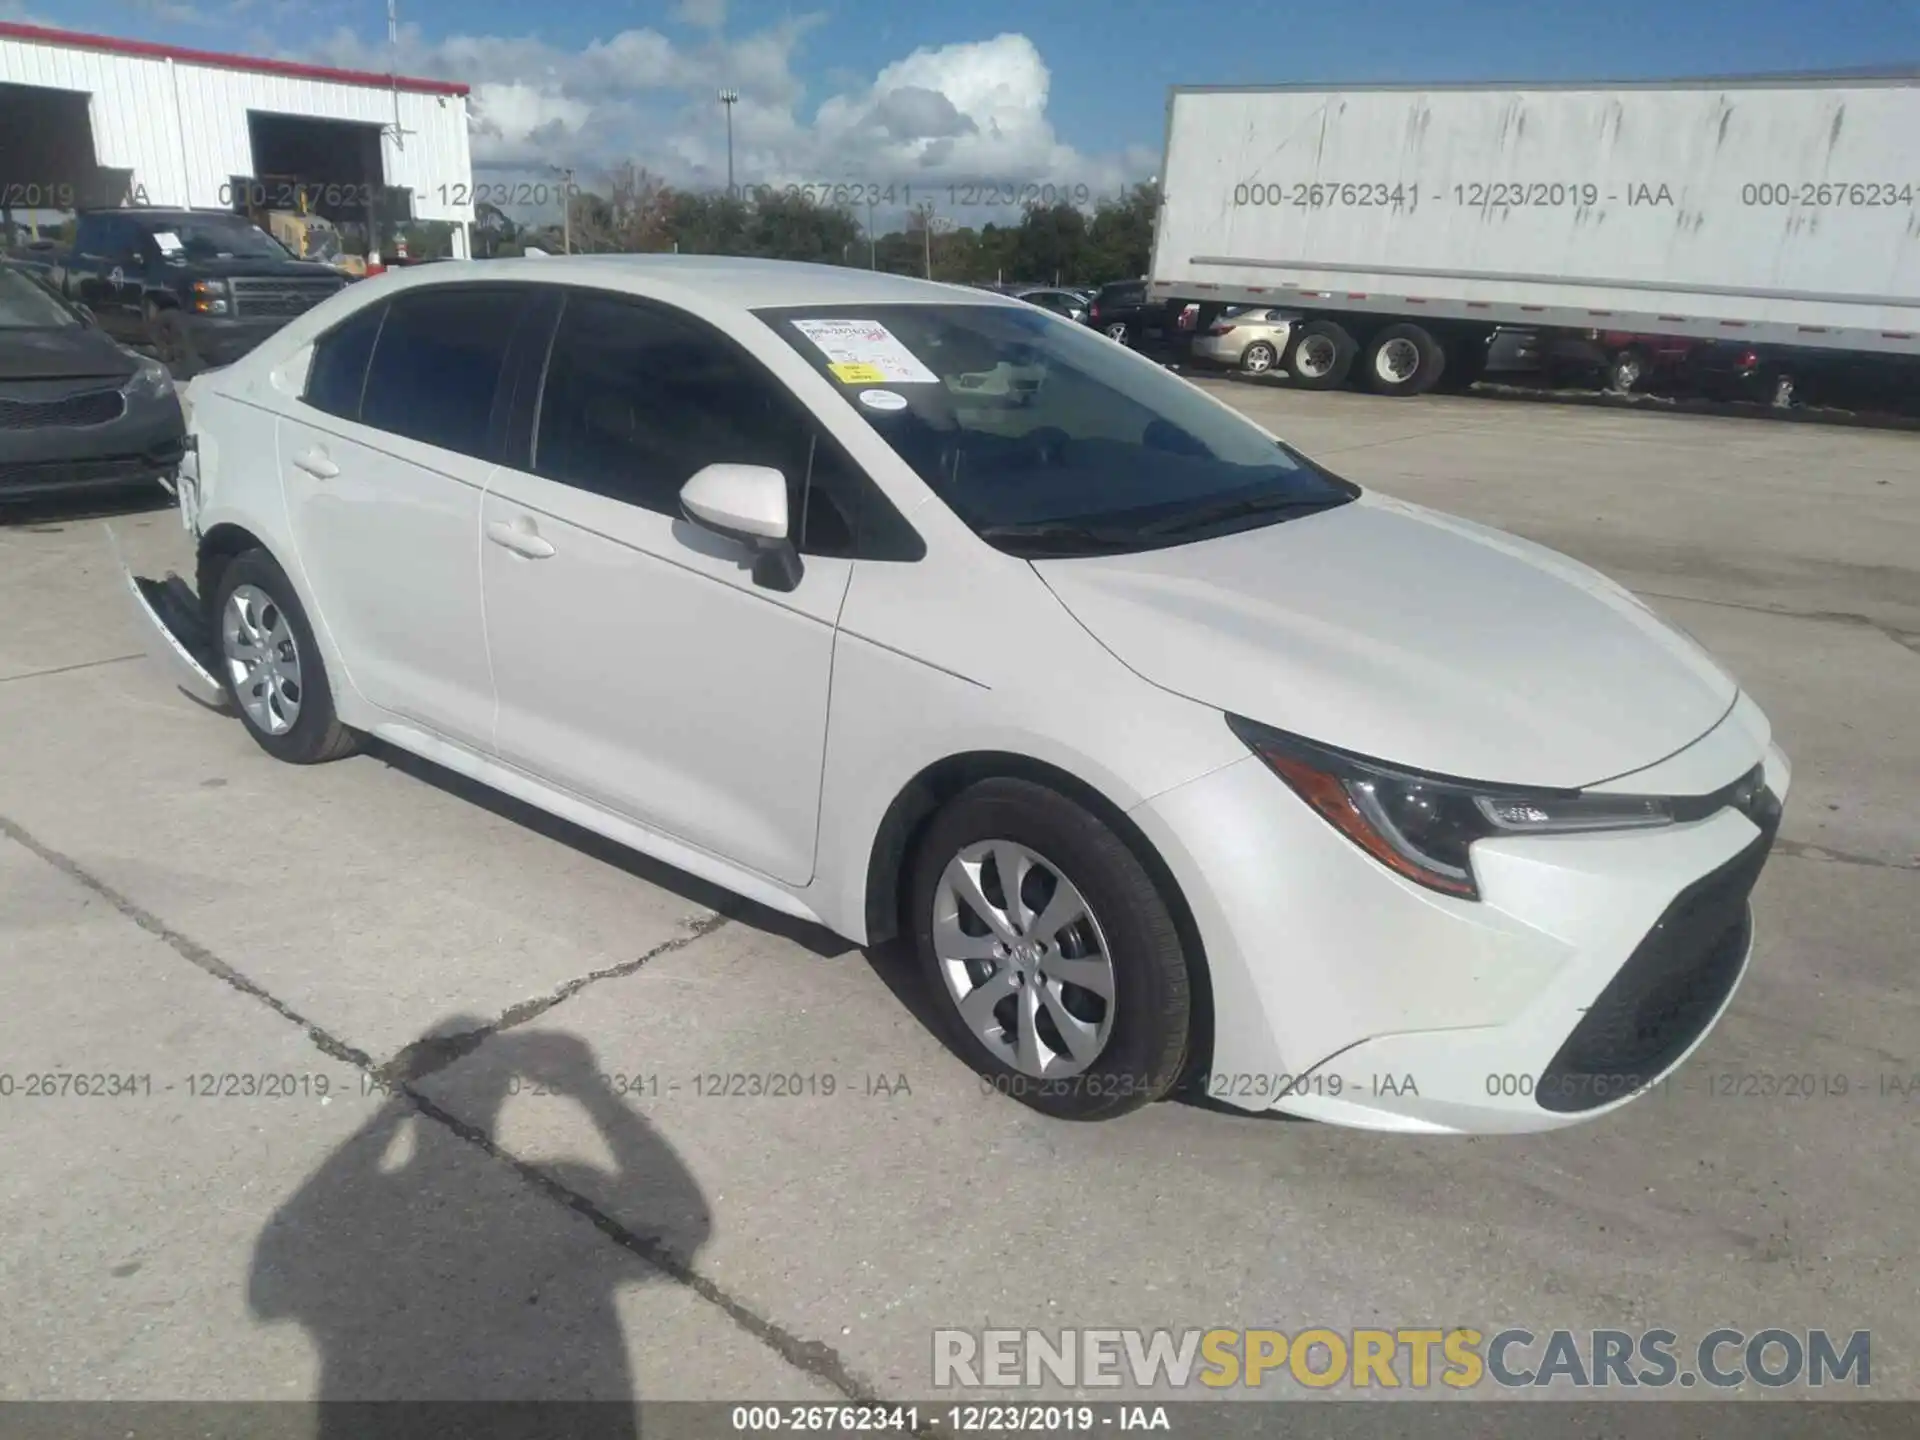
(1408, 636)
(74, 352)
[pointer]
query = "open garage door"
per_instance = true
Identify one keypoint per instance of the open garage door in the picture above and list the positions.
(50, 162)
(330, 169)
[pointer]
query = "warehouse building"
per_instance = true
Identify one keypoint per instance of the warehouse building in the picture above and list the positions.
(88, 121)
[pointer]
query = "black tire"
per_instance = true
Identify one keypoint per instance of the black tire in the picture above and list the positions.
(1430, 361)
(1146, 1047)
(316, 734)
(173, 343)
(1259, 358)
(1626, 370)
(1466, 361)
(1118, 331)
(1327, 368)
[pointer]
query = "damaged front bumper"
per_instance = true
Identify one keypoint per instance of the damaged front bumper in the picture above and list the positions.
(174, 623)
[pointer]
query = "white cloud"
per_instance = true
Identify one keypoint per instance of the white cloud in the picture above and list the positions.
(953, 115)
(702, 14)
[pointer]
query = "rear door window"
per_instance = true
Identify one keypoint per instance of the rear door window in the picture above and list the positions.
(437, 366)
(338, 373)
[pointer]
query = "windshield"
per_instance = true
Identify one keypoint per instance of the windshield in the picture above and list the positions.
(1045, 436)
(213, 237)
(26, 304)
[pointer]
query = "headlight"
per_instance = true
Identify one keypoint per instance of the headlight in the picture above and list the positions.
(150, 382)
(1423, 826)
(209, 297)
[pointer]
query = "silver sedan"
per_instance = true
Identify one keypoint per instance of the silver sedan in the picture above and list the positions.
(1250, 339)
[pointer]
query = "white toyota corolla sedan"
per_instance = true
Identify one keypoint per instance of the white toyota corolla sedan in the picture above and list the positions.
(916, 611)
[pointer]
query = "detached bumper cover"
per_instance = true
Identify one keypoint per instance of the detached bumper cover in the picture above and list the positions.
(174, 627)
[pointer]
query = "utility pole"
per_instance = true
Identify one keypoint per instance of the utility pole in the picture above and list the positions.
(730, 98)
(565, 172)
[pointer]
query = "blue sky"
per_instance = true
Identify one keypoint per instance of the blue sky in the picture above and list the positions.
(1064, 90)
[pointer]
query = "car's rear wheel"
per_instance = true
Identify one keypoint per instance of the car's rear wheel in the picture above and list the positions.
(1118, 332)
(271, 666)
(1050, 953)
(1320, 355)
(1626, 370)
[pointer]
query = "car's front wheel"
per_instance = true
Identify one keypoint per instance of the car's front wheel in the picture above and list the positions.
(1259, 358)
(1050, 952)
(271, 666)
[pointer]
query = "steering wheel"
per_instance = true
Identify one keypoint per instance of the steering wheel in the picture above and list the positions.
(1047, 444)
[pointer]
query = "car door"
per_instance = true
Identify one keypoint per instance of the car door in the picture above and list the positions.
(384, 460)
(105, 274)
(638, 662)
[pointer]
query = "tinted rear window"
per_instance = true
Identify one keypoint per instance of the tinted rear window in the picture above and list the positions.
(438, 363)
(338, 372)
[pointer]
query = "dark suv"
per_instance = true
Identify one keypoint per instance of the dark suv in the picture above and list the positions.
(1120, 311)
(198, 287)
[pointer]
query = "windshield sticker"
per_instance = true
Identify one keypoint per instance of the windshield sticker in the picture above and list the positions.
(882, 400)
(865, 352)
(168, 242)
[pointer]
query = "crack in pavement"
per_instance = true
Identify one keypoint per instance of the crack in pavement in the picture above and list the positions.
(1805, 850)
(1832, 617)
(434, 1053)
(813, 1357)
(69, 669)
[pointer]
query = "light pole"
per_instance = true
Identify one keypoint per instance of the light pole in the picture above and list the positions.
(566, 207)
(729, 98)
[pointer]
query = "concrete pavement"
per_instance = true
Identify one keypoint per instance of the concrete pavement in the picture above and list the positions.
(571, 1194)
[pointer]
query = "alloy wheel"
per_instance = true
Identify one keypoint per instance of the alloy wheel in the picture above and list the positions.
(263, 659)
(1024, 959)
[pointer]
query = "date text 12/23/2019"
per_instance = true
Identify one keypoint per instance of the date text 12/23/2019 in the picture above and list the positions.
(1565, 194)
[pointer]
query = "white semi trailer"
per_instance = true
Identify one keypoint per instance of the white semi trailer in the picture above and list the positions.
(1399, 227)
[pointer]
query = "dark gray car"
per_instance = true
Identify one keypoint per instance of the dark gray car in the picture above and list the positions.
(77, 410)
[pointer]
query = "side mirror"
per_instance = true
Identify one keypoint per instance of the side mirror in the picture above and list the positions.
(748, 504)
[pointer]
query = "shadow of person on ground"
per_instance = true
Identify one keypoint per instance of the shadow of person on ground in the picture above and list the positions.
(427, 1266)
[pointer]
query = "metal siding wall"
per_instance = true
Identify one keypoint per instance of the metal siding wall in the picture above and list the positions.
(182, 152)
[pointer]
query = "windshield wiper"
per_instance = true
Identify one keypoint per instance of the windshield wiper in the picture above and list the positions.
(1062, 534)
(1204, 515)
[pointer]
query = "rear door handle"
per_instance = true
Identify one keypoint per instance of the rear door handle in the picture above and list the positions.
(316, 463)
(522, 539)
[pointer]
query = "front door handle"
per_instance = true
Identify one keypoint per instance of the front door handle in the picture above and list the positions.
(522, 539)
(316, 463)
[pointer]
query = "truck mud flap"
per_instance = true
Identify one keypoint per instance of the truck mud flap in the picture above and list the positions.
(175, 632)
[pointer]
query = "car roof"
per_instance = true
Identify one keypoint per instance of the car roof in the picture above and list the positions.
(719, 280)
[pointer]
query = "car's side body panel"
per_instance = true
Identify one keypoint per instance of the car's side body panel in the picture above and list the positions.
(390, 541)
(640, 665)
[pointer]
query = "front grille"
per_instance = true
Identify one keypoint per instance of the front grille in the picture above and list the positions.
(279, 299)
(108, 470)
(84, 407)
(1666, 994)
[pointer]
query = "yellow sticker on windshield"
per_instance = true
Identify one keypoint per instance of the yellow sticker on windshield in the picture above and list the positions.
(849, 372)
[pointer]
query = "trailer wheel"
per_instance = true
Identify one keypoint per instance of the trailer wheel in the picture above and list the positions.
(1404, 360)
(1319, 355)
(1626, 370)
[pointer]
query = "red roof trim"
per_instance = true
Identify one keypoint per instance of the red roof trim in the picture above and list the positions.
(78, 40)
